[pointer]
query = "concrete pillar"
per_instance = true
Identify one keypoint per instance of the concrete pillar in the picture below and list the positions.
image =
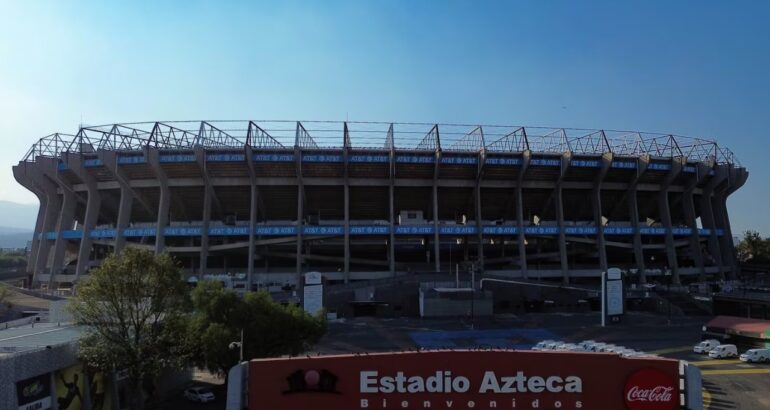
(124, 217)
(633, 207)
(21, 175)
(708, 218)
(525, 157)
(347, 232)
(204, 255)
(479, 227)
(51, 218)
(392, 239)
(65, 222)
(665, 216)
(688, 204)
(436, 237)
(596, 198)
(93, 206)
(252, 233)
(300, 216)
(153, 158)
(559, 205)
(39, 223)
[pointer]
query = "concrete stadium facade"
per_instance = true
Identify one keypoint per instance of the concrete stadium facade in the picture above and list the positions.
(270, 200)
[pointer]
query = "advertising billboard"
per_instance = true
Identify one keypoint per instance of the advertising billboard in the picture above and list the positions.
(34, 393)
(69, 388)
(463, 379)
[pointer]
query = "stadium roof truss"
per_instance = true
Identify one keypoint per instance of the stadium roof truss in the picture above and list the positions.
(271, 134)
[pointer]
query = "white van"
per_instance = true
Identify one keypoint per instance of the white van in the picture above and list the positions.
(705, 346)
(756, 356)
(542, 344)
(723, 351)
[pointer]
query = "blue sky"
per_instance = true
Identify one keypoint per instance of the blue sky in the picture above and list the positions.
(690, 68)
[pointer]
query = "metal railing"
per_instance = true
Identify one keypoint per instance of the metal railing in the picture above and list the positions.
(320, 135)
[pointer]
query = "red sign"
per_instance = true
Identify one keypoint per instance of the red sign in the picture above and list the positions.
(463, 379)
(652, 389)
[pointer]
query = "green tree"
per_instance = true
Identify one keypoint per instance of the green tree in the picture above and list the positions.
(5, 294)
(134, 308)
(753, 248)
(269, 329)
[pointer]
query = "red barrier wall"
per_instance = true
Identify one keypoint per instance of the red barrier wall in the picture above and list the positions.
(463, 379)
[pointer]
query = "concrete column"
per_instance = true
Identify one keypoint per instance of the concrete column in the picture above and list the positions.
(252, 233)
(253, 208)
(525, 157)
(39, 224)
(65, 222)
(391, 193)
(124, 217)
(665, 216)
(737, 177)
(20, 174)
(436, 237)
(707, 218)
(596, 198)
(204, 255)
(392, 242)
(53, 206)
(633, 211)
(688, 203)
(93, 206)
(347, 232)
(300, 216)
(92, 215)
(479, 227)
(152, 156)
(559, 205)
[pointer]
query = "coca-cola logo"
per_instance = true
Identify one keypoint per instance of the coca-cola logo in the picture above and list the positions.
(651, 389)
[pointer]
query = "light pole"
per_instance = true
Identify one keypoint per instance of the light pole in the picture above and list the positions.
(238, 345)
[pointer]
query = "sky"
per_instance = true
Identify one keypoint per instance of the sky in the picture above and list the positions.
(695, 68)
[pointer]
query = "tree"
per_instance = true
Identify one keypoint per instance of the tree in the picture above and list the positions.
(5, 294)
(269, 329)
(133, 306)
(753, 248)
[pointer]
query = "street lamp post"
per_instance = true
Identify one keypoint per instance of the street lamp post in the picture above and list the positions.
(238, 345)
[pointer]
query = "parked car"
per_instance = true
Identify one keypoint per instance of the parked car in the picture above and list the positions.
(705, 346)
(542, 344)
(596, 347)
(756, 356)
(200, 394)
(586, 345)
(723, 351)
(606, 347)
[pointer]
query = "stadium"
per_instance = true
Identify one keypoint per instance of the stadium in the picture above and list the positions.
(266, 201)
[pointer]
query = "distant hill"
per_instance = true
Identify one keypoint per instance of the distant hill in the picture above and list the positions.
(15, 240)
(18, 217)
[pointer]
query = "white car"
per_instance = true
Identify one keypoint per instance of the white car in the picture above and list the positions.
(605, 348)
(596, 347)
(542, 344)
(201, 394)
(756, 356)
(723, 351)
(616, 349)
(565, 346)
(705, 346)
(586, 344)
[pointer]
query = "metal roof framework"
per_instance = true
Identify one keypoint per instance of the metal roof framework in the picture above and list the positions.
(273, 134)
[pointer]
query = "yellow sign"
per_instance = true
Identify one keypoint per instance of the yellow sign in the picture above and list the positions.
(69, 388)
